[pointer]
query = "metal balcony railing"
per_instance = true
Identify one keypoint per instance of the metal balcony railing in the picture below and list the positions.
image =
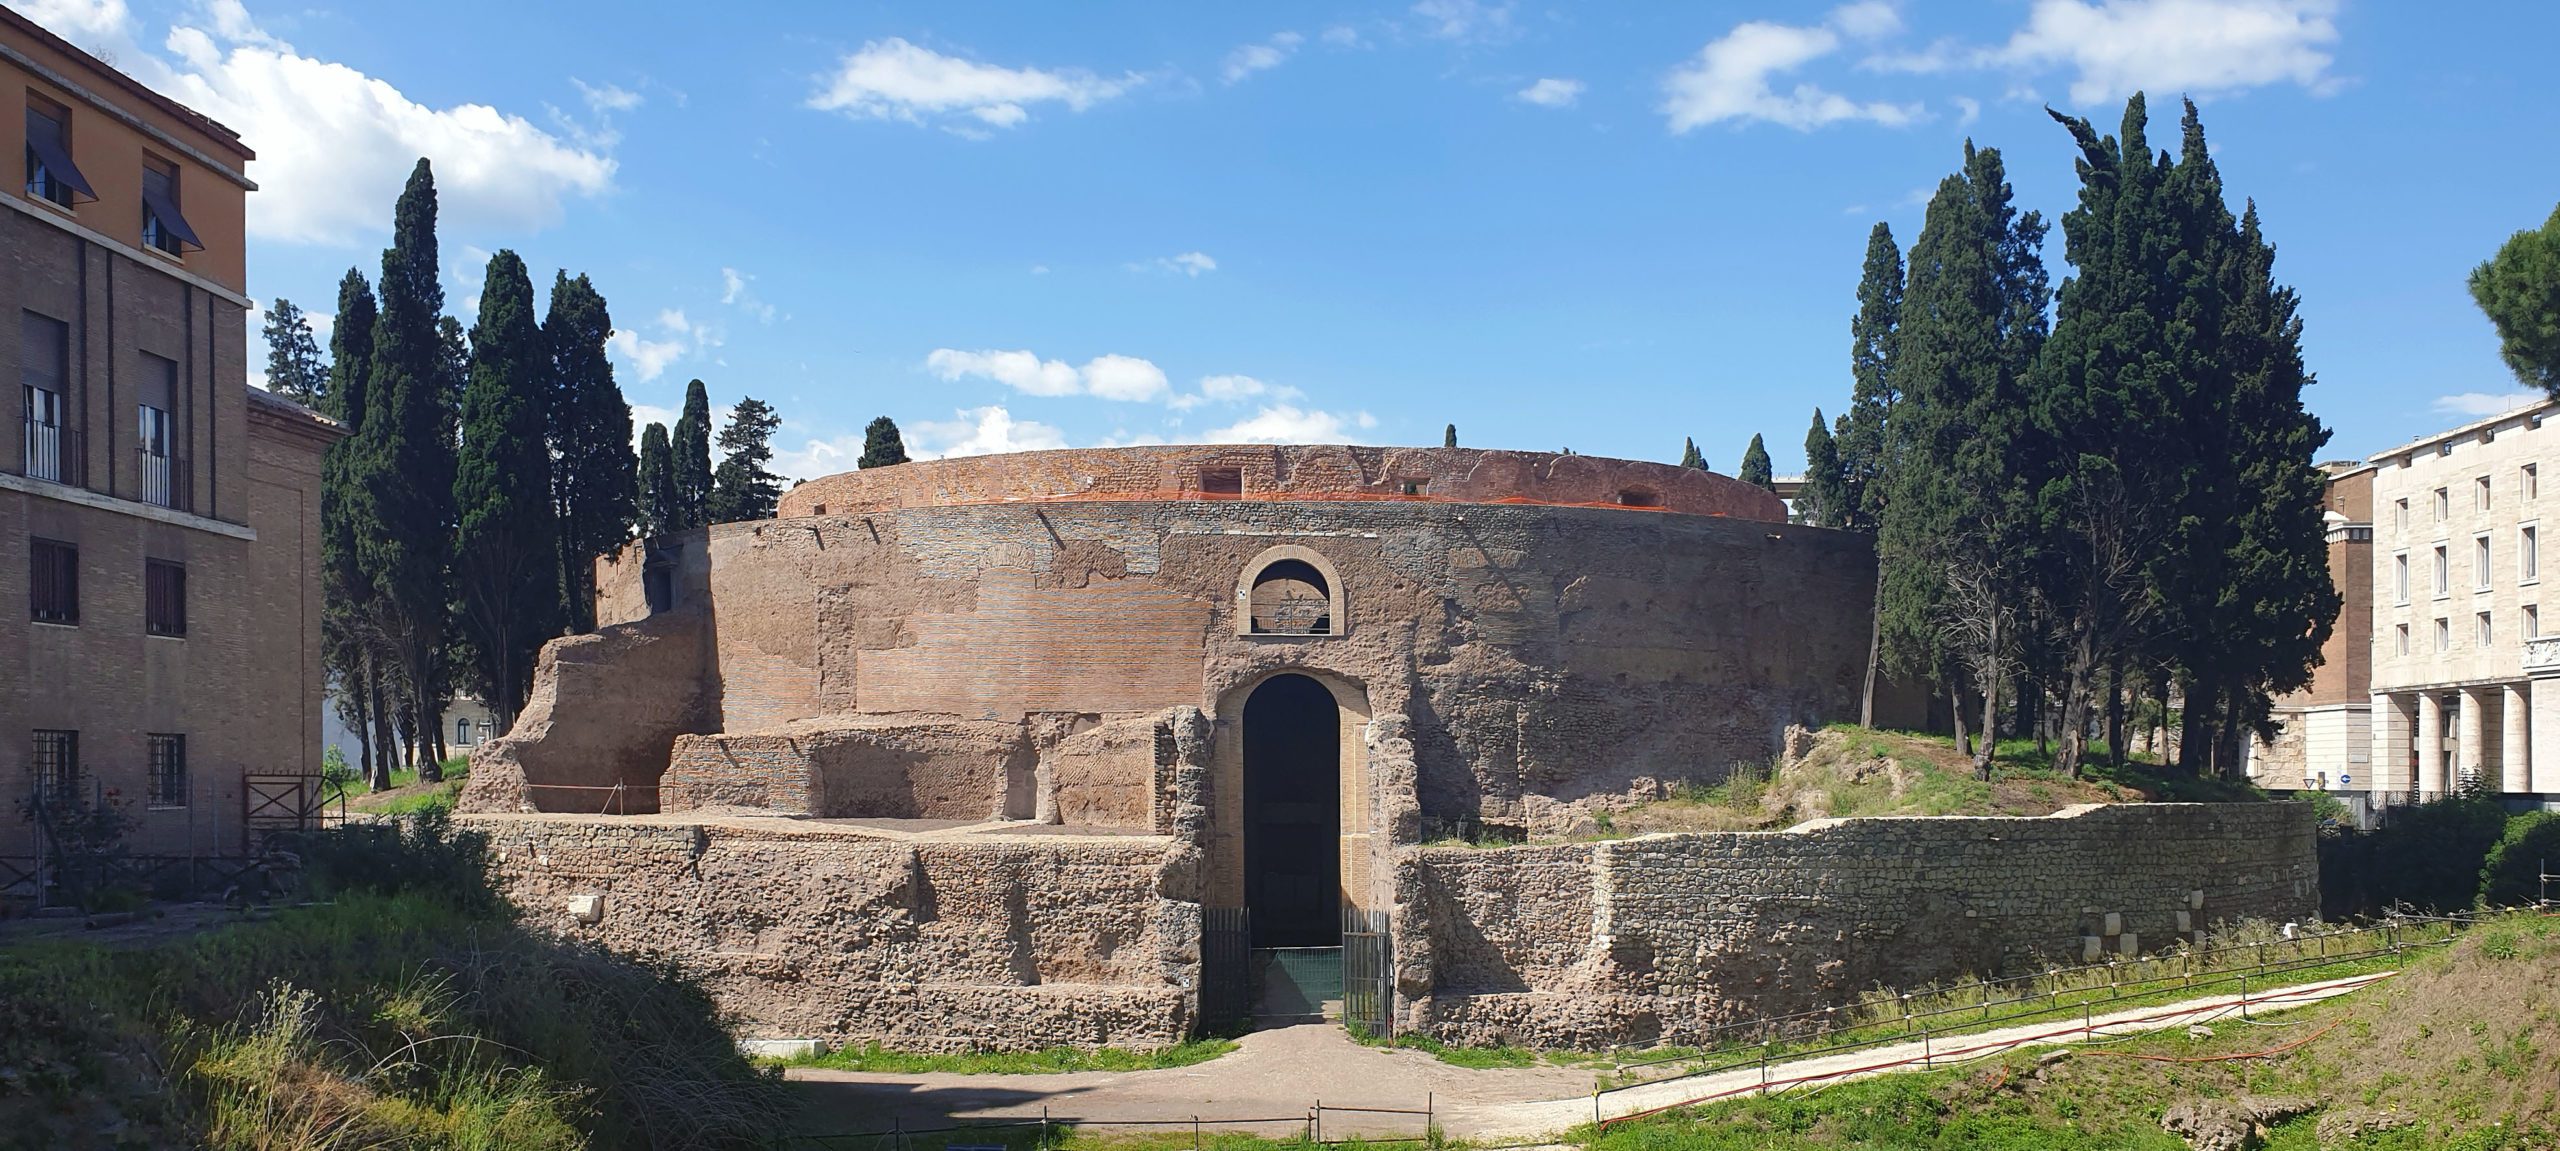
(167, 480)
(53, 453)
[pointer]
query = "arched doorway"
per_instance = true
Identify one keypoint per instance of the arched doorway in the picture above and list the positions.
(1293, 813)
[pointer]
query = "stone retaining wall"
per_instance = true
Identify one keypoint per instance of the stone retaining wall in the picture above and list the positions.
(1660, 939)
(807, 930)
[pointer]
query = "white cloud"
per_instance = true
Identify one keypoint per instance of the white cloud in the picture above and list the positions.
(643, 415)
(980, 432)
(1731, 77)
(649, 358)
(1867, 19)
(1552, 93)
(1970, 108)
(1188, 263)
(895, 80)
(1342, 36)
(735, 292)
(1262, 57)
(1230, 389)
(334, 144)
(2119, 46)
(1109, 377)
(1288, 424)
(2485, 403)
(1021, 371)
(1125, 378)
(1464, 20)
(603, 98)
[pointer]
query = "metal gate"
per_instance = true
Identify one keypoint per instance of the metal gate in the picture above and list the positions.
(1226, 969)
(1368, 979)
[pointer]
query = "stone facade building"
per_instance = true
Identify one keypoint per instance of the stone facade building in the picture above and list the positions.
(159, 519)
(1034, 748)
(2465, 686)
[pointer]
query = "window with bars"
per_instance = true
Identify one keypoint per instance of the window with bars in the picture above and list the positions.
(164, 598)
(54, 761)
(53, 581)
(168, 770)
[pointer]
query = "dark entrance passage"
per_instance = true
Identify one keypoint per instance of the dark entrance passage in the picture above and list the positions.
(1293, 814)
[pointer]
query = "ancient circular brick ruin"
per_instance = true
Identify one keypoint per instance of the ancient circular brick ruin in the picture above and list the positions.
(967, 752)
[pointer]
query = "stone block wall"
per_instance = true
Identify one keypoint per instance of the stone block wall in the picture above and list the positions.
(1665, 937)
(810, 931)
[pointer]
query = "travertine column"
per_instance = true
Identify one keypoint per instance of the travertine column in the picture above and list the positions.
(2387, 770)
(2430, 745)
(2469, 746)
(2515, 767)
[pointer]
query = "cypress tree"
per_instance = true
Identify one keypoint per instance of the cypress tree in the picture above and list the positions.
(881, 444)
(593, 488)
(1689, 457)
(1864, 432)
(1755, 465)
(294, 370)
(404, 459)
(1826, 490)
(1955, 540)
(506, 549)
(741, 489)
(658, 511)
(1449, 438)
(689, 446)
(2519, 290)
(348, 635)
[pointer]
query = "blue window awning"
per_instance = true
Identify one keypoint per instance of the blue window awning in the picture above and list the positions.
(44, 138)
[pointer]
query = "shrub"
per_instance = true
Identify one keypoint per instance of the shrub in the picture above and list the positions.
(2512, 873)
(421, 852)
(2427, 856)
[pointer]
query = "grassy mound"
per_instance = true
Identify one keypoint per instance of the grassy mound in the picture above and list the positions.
(1854, 771)
(411, 1011)
(2462, 1050)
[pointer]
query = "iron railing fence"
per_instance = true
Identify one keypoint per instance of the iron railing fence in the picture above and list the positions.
(51, 451)
(1368, 976)
(167, 480)
(1226, 968)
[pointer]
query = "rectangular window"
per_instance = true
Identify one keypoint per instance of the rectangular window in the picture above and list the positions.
(2532, 485)
(2444, 635)
(2532, 622)
(2480, 563)
(163, 226)
(2444, 505)
(53, 581)
(2528, 554)
(54, 761)
(164, 598)
(2486, 637)
(2444, 572)
(2400, 515)
(168, 770)
(44, 349)
(50, 173)
(2400, 577)
(164, 472)
(2401, 636)
(2480, 495)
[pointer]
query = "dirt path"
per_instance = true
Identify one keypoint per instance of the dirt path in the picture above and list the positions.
(1277, 1075)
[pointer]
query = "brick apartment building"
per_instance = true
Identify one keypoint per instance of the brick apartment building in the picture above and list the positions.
(2324, 740)
(159, 519)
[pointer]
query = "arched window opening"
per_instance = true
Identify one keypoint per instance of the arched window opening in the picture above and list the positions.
(1290, 597)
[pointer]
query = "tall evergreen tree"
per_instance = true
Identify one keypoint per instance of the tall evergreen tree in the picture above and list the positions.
(506, 548)
(1689, 457)
(404, 458)
(2519, 290)
(1755, 465)
(1449, 438)
(741, 488)
(1864, 432)
(1825, 495)
(881, 444)
(658, 511)
(689, 447)
(1955, 536)
(593, 486)
(349, 639)
(294, 368)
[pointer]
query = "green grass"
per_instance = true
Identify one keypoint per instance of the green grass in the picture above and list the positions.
(441, 798)
(1047, 1061)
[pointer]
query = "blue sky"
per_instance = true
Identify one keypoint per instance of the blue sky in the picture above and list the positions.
(1034, 225)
